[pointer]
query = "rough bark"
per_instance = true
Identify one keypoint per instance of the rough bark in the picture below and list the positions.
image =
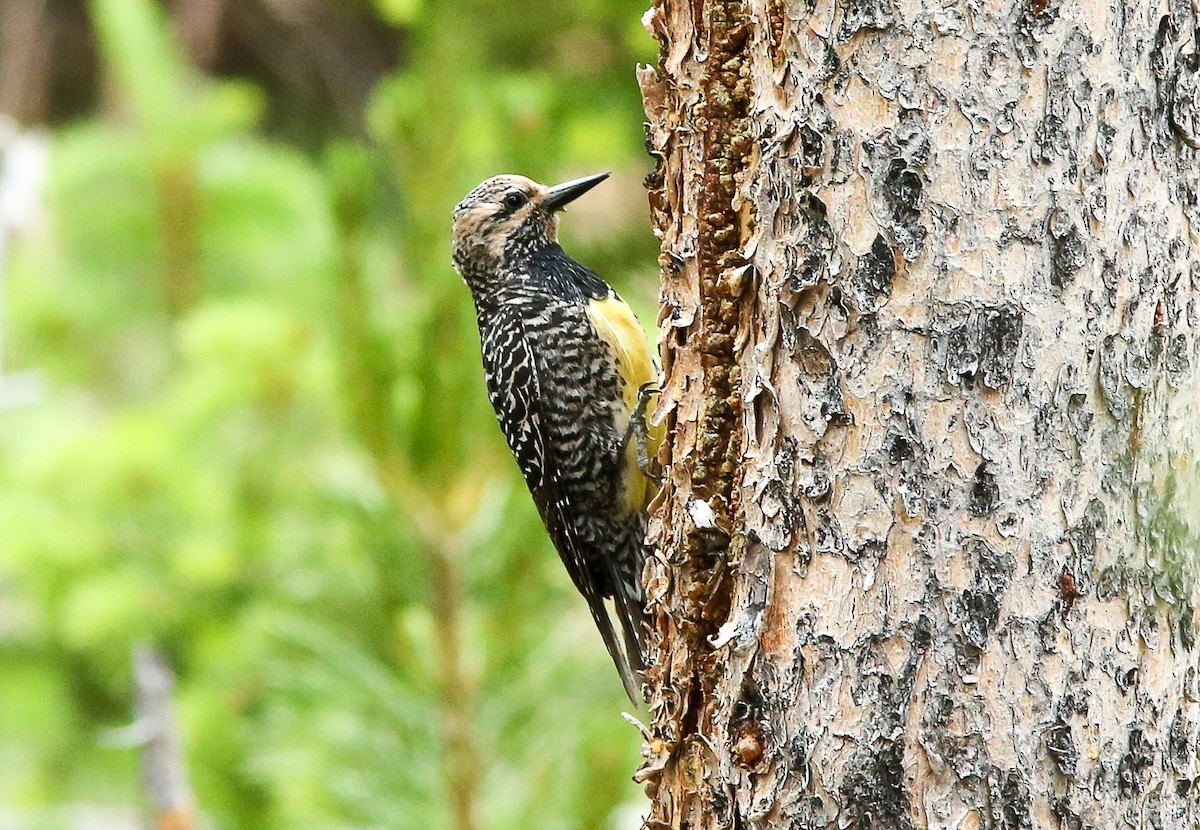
(928, 541)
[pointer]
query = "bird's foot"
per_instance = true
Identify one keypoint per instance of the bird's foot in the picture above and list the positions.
(637, 431)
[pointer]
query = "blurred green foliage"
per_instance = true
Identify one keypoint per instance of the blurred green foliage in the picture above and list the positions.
(265, 445)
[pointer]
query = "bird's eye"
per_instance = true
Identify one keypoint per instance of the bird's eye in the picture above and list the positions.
(514, 200)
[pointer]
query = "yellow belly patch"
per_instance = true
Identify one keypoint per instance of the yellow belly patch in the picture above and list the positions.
(619, 328)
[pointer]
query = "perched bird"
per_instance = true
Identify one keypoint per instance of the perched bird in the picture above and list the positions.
(567, 367)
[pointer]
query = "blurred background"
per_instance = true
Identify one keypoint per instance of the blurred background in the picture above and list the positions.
(242, 417)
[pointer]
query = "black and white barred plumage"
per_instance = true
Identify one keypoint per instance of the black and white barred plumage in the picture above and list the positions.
(564, 359)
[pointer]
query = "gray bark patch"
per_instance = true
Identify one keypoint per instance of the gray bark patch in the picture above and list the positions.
(873, 791)
(968, 342)
(893, 160)
(871, 282)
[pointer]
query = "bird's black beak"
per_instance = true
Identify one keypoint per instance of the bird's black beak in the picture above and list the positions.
(559, 196)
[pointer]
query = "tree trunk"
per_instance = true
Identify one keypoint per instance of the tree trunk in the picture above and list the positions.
(928, 544)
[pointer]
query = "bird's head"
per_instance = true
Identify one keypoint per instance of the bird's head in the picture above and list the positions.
(506, 217)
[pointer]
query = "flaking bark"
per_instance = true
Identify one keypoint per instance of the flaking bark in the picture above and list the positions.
(927, 547)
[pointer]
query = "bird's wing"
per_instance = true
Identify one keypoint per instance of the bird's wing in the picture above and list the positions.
(515, 392)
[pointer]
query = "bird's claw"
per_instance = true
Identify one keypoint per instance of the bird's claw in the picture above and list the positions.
(637, 431)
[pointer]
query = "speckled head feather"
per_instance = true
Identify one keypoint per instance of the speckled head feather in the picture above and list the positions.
(506, 218)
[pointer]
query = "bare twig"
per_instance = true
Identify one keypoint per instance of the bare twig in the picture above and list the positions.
(163, 770)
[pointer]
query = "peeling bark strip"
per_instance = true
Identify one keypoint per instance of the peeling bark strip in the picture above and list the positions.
(930, 540)
(703, 230)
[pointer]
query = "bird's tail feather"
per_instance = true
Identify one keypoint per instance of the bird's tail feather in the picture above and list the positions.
(623, 659)
(629, 604)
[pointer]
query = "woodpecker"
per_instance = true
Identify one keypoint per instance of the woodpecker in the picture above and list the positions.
(567, 366)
